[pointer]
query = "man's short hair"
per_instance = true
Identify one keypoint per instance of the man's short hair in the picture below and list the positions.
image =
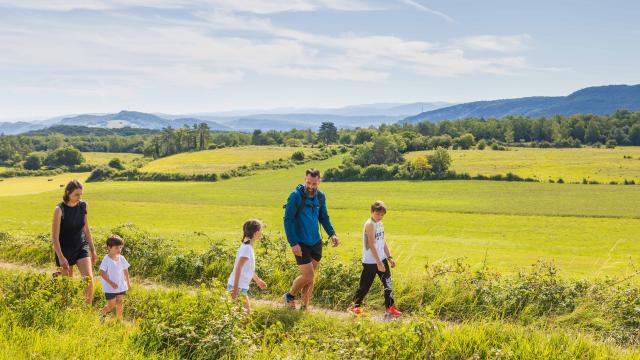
(313, 172)
(379, 206)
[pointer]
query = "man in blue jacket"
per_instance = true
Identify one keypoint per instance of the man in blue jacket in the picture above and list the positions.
(305, 208)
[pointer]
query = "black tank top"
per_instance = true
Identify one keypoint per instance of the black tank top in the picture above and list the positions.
(71, 225)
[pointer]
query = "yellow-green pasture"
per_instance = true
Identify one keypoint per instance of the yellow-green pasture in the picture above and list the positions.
(588, 230)
(25, 185)
(572, 165)
(103, 158)
(219, 160)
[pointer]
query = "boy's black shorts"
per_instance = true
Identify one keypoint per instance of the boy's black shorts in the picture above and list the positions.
(111, 296)
(309, 252)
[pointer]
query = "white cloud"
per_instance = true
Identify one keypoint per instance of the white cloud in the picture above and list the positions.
(123, 53)
(416, 5)
(510, 43)
(252, 6)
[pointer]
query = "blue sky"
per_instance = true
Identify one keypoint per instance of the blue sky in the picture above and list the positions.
(79, 56)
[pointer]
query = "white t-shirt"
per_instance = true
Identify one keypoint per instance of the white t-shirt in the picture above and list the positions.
(115, 271)
(246, 250)
(367, 255)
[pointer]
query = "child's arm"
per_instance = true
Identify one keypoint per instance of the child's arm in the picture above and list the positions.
(371, 241)
(260, 282)
(236, 279)
(126, 276)
(103, 274)
(388, 253)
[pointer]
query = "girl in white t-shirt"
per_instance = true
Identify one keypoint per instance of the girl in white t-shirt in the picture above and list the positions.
(114, 275)
(244, 268)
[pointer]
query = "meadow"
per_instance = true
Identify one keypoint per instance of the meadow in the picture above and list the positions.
(572, 164)
(588, 230)
(103, 158)
(219, 160)
(465, 279)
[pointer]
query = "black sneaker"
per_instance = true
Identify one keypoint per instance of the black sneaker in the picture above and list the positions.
(289, 301)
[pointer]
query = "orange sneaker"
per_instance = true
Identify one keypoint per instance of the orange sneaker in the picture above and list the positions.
(356, 310)
(392, 311)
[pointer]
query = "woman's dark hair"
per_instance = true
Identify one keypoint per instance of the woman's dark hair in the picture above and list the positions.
(72, 186)
(114, 240)
(249, 229)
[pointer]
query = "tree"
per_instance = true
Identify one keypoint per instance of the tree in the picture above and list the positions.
(257, 138)
(383, 150)
(634, 134)
(64, 156)
(593, 133)
(33, 161)
(328, 133)
(439, 160)
(363, 136)
(116, 164)
(464, 142)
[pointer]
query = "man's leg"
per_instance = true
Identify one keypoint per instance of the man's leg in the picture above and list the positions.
(307, 290)
(306, 276)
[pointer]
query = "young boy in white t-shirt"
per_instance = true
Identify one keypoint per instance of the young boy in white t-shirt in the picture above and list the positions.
(244, 268)
(114, 275)
(376, 259)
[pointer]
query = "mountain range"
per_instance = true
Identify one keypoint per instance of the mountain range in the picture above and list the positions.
(278, 119)
(597, 100)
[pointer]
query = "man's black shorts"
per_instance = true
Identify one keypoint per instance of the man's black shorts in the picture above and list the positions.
(309, 252)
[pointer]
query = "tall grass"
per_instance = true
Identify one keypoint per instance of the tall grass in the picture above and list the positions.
(609, 309)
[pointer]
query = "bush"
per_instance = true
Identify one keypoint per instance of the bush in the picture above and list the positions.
(34, 161)
(297, 156)
(482, 144)
(200, 326)
(611, 144)
(101, 173)
(116, 163)
(64, 156)
(439, 161)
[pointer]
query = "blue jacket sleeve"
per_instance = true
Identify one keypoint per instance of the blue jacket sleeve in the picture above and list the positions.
(290, 218)
(324, 218)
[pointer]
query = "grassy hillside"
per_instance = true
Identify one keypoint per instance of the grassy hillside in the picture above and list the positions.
(572, 165)
(220, 160)
(103, 158)
(588, 230)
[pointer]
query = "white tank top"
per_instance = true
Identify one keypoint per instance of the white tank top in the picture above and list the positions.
(367, 256)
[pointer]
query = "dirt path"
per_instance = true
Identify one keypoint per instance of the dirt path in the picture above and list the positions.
(150, 285)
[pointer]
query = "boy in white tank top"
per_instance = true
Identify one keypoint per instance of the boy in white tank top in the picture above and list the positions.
(376, 260)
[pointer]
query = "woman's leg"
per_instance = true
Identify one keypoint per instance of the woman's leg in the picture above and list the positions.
(86, 270)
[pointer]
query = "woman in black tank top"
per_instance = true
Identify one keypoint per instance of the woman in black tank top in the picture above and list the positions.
(72, 240)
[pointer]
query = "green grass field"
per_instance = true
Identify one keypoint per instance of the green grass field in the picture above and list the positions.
(100, 158)
(36, 184)
(572, 165)
(220, 160)
(588, 230)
